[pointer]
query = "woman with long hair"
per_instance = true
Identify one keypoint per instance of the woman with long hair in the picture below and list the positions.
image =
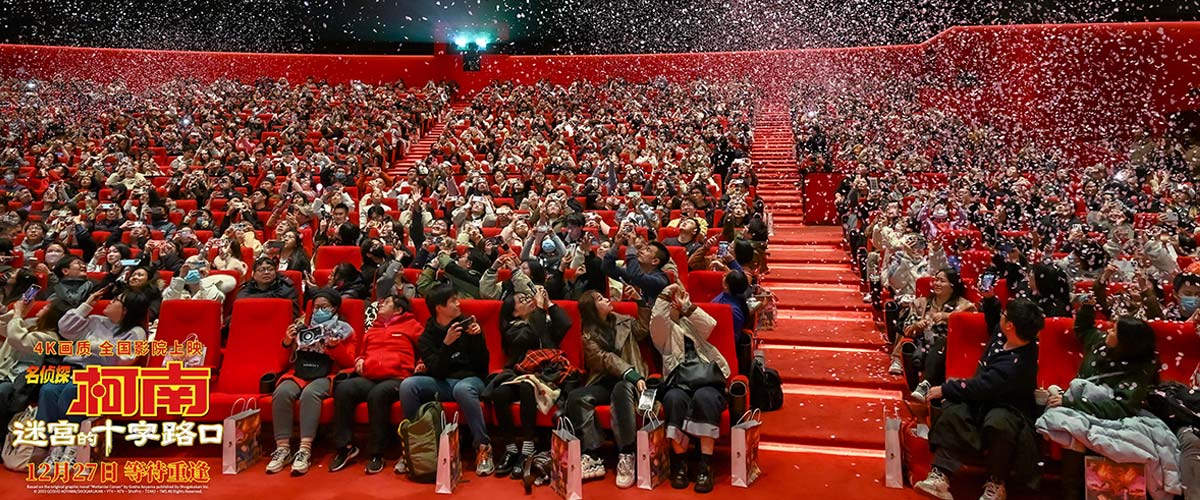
(18, 353)
(616, 377)
(926, 354)
(529, 322)
(124, 319)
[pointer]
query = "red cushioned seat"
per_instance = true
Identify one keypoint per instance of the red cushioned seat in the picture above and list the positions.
(1059, 353)
(254, 347)
(178, 319)
(1178, 350)
(330, 256)
(704, 286)
(966, 338)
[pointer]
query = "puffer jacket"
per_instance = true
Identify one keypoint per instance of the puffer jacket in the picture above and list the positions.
(389, 348)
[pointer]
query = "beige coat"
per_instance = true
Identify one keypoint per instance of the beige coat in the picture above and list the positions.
(668, 336)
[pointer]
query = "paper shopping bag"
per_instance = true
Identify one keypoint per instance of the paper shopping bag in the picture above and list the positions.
(744, 451)
(653, 453)
(566, 476)
(893, 461)
(192, 361)
(240, 448)
(449, 469)
(1104, 478)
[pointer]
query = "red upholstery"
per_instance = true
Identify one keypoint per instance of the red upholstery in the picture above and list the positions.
(966, 338)
(1178, 350)
(974, 262)
(177, 319)
(253, 348)
(1059, 353)
(330, 256)
(704, 286)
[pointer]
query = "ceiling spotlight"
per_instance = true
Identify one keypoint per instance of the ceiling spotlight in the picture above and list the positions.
(481, 41)
(461, 42)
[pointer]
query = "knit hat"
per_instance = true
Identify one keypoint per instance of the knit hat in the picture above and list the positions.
(330, 294)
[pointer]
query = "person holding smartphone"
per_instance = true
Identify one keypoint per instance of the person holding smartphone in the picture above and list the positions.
(456, 359)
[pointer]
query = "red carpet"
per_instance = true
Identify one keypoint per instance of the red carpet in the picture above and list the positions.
(825, 328)
(822, 365)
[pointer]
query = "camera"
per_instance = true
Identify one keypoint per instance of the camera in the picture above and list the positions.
(310, 336)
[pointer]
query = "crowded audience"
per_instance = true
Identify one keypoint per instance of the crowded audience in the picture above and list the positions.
(225, 191)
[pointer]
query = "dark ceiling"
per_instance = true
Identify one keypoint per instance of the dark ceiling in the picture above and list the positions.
(532, 26)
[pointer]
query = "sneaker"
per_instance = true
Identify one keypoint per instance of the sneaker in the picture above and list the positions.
(679, 473)
(375, 465)
(343, 458)
(867, 298)
(896, 368)
(993, 490)
(55, 455)
(704, 478)
(519, 470)
(593, 468)
(510, 462)
(401, 467)
(936, 485)
(279, 458)
(68, 456)
(300, 462)
(483, 461)
(626, 470)
(922, 391)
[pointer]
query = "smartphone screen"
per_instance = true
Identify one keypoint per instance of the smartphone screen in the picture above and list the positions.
(986, 282)
(29, 294)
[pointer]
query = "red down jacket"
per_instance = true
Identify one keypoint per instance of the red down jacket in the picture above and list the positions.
(389, 348)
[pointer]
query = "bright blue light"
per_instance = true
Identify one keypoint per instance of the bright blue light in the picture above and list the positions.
(461, 41)
(481, 41)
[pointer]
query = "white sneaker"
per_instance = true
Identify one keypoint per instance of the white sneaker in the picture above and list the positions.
(936, 485)
(993, 491)
(922, 391)
(300, 462)
(279, 458)
(401, 466)
(68, 455)
(896, 368)
(626, 470)
(55, 455)
(593, 468)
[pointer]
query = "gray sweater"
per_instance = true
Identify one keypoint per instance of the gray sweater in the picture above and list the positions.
(77, 324)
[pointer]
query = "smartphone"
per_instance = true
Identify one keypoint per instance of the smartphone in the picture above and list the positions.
(646, 401)
(466, 322)
(130, 262)
(29, 294)
(987, 282)
(722, 248)
(275, 244)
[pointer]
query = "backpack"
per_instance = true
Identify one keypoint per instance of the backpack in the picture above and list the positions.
(766, 388)
(1175, 404)
(419, 437)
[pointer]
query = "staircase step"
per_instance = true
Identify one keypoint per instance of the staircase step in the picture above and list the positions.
(828, 419)
(824, 328)
(833, 366)
(831, 235)
(813, 296)
(834, 274)
(816, 254)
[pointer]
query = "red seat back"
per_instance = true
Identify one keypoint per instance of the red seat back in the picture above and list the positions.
(330, 256)
(722, 335)
(254, 347)
(704, 286)
(178, 319)
(1059, 353)
(1178, 350)
(966, 338)
(572, 342)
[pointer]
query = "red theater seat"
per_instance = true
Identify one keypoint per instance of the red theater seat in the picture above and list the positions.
(179, 319)
(704, 286)
(254, 348)
(330, 256)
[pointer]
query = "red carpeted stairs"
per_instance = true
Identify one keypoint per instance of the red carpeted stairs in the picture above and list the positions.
(421, 149)
(826, 344)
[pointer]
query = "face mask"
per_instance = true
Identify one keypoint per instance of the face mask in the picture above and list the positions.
(1189, 304)
(321, 316)
(9, 177)
(548, 246)
(53, 257)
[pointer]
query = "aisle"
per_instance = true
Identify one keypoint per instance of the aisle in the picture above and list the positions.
(826, 344)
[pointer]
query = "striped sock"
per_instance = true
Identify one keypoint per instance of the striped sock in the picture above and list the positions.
(527, 448)
(511, 448)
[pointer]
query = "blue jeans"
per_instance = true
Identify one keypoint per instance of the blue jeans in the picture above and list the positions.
(54, 400)
(419, 389)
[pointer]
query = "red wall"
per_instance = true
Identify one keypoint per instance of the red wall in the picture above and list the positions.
(1073, 82)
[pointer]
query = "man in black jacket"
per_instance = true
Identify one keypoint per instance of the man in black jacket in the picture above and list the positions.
(266, 283)
(456, 358)
(73, 285)
(991, 411)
